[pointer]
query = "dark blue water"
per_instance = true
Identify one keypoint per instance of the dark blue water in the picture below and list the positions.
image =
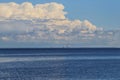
(60, 64)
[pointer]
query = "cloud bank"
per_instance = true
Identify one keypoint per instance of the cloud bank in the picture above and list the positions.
(44, 23)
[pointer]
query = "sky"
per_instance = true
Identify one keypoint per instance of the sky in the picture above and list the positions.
(59, 23)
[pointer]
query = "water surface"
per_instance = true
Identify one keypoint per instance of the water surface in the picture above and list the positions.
(60, 64)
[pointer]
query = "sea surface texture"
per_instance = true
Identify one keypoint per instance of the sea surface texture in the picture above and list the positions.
(60, 64)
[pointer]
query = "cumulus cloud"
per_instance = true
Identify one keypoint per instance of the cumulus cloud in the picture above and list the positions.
(44, 23)
(54, 29)
(28, 11)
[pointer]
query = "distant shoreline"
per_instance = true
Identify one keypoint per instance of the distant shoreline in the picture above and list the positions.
(60, 48)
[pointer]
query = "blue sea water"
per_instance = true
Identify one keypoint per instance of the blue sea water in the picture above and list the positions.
(60, 64)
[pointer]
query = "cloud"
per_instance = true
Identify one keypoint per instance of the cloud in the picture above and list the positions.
(5, 38)
(51, 29)
(47, 22)
(28, 11)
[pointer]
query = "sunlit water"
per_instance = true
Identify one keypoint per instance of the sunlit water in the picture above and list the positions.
(83, 64)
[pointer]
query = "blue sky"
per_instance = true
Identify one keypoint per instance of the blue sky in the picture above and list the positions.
(103, 13)
(88, 23)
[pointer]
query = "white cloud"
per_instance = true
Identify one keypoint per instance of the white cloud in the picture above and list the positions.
(45, 22)
(5, 38)
(52, 28)
(28, 11)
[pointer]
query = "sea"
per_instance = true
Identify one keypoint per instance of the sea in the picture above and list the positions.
(60, 64)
